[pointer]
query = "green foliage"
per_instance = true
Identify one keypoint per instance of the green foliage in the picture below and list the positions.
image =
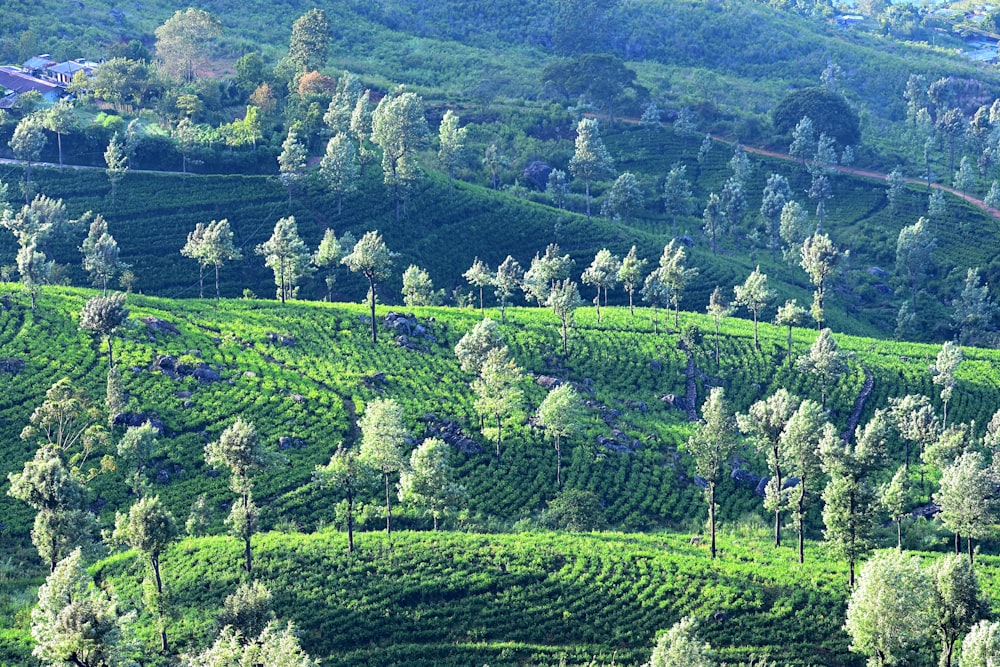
(576, 510)
(829, 112)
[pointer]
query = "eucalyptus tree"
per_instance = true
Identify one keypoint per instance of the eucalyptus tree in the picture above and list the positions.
(184, 43)
(957, 602)
(339, 167)
(718, 309)
(61, 119)
(212, 245)
(248, 609)
(428, 481)
(292, 161)
(559, 416)
(819, 259)
(76, 622)
(777, 193)
(801, 441)
(557, 188)
(973, 309)
(896, 498)
(328, 255)
(790, 315)
(713, 443)
(734, 203)
(361, 128)
(149, 528)
(889, 612)
(349, 477)
(35, 268)
(383, 436)
(400, 130)
(714, 218)
(101, 254)
(473, 348)
(602, 274)
(764, 423)
(564, 299)
(680, 646)
(27, 143)
(591, 160)
(57, 494)
(755, 296)
(495, 161)
(656, 293)
(276, 646)
(623, 198)
(824, 360)
(966, 497)
(897, 185)
(497, 389)
(345, 96)
(981, 646)
(104, 315)
(371, 258)
(506, 281)
(116, 161)
(479, 275)
(937, 205)
(914, 419)
(134, 452)
(944, 368)
(803, 140)
(418, 289)
(850, 498)
(451, 145)
(914, 256)
(793, 229)
(677, 197)
(240, 451)
(630, 275)
(310, 41)
(287, 255)
(675, 274)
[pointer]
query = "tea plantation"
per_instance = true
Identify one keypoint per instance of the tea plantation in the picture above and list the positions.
(303, 372)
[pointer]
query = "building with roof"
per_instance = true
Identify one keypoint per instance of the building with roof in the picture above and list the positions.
(64, 72)
(36, 65)
(16, 81)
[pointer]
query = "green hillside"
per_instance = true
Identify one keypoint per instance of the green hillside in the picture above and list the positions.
(443, 233)
(532, 598)
(303, 371)
(575, 550)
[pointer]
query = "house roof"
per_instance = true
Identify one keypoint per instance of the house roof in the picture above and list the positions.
(71, 67)
(39, 62)
(16, 80)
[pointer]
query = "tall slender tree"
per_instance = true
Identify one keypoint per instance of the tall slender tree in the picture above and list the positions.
(764, 424)
(241, 452)
(718, 309)
(602, 274)
(383, 436)
(754, 295)
(591, 160)
(451, 146)
(371, 258)
(948, 361)
(711, 446)
(287, 255)
(506, 282)
(399, 128)
(559, 415)
(630, 275)
(497, 390)
(676, 275)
